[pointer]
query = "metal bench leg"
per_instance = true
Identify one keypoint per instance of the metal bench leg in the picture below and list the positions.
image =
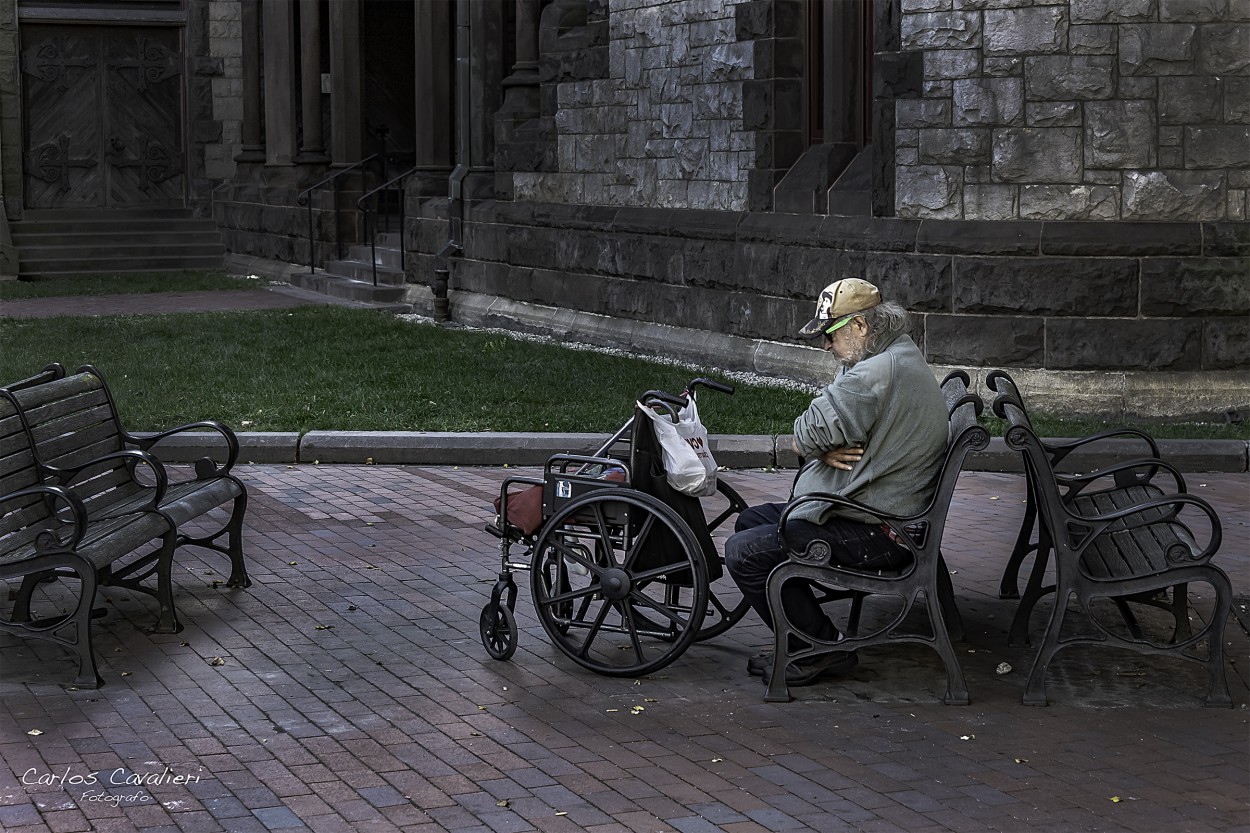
(946, 595)
(956, 687)
(1130, 619)
(233, 530)
(1176, 604)
(1217, 693)
(238, 568)
(857, 609)
(778, 691)
(1009, 586)
(72, 630)
(1033, 591)
(1035, 688)
(1180, 612)
(165, 585)
(21, 605)
(80, 640)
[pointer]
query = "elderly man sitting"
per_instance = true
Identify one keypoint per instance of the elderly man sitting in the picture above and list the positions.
(878, 434)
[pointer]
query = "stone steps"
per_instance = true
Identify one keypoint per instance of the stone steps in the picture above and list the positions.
(383, 296)
(352, 278)
(83, 242)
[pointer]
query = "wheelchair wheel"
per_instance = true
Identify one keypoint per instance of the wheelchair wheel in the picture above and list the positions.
(498, 629)
(726, 607)
(602, 577)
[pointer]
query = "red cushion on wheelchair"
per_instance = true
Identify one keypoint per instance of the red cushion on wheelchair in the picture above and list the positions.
(525, 509)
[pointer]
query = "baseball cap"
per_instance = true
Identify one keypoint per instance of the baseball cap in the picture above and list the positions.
(840, 300)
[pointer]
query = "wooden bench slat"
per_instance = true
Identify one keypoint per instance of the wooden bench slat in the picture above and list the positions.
(71, 450)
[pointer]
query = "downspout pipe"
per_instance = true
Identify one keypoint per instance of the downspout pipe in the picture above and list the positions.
(455, 184)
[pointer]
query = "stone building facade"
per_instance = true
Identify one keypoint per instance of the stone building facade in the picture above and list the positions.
(1052, 187)
(1081, 110)
(87, 88)
(1056, 187)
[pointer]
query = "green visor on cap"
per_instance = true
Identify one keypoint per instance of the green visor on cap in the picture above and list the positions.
(837, 325)
(826, 326)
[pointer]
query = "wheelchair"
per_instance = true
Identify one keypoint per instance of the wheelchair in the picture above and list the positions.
(624, 575)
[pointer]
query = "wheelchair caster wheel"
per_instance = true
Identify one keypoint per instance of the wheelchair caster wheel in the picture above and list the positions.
(498, 628)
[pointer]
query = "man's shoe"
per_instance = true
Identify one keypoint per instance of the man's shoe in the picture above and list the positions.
(757, 664)
(808, 672)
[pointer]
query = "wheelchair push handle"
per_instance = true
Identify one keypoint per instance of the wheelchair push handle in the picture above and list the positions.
(680, 401)
(655, 396)
(658, 399)
(705, 382)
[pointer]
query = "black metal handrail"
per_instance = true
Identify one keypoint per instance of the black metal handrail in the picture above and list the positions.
(361, 205)
(305, 198)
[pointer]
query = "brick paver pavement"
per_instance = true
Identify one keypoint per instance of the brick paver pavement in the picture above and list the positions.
(347, 690)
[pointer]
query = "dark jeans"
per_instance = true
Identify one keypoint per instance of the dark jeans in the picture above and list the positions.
(755, 549)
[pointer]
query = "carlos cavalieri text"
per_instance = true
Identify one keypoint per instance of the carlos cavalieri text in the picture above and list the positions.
(119, 777)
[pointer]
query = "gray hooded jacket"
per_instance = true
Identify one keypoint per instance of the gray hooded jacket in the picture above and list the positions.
(889, 404)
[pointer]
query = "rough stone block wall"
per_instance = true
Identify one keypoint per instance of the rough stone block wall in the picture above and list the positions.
(266, 221)
(665, 127)
(1076, 109)
(984, 294)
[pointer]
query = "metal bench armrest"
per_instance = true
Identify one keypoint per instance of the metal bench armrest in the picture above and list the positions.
(897, 523)
(68, 475)
(1124, 474)
(49, 540)
(205, 467)
(1059, 450)
(1087, 527)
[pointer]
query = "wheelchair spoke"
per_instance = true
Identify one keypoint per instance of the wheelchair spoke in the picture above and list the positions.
(635, 543)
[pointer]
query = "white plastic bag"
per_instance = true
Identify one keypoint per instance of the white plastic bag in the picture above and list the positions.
(688, 459)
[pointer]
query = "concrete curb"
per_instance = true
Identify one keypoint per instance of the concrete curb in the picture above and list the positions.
(434, 448)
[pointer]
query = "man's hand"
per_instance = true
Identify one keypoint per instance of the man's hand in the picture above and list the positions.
(843, 458)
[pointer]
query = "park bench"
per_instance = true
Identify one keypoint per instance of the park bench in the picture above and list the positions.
(1120, 553)
(1125, 484)
(927, 575)
(72, 421)
(74, 418)
(45, 533)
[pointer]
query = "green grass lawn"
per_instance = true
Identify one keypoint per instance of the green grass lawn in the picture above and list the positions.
(333, 368)
(129, 284)
(344, 369)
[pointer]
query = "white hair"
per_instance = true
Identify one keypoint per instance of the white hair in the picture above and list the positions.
(885, 322)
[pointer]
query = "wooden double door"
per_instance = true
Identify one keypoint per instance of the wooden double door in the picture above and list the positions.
(102, 108)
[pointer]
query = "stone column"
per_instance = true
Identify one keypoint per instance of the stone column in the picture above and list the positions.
(433, 105)
(518, 145)
(253, 147)
(485, 96)
(279, 46)
(346, 84)
(525, 70)
(312, 146)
